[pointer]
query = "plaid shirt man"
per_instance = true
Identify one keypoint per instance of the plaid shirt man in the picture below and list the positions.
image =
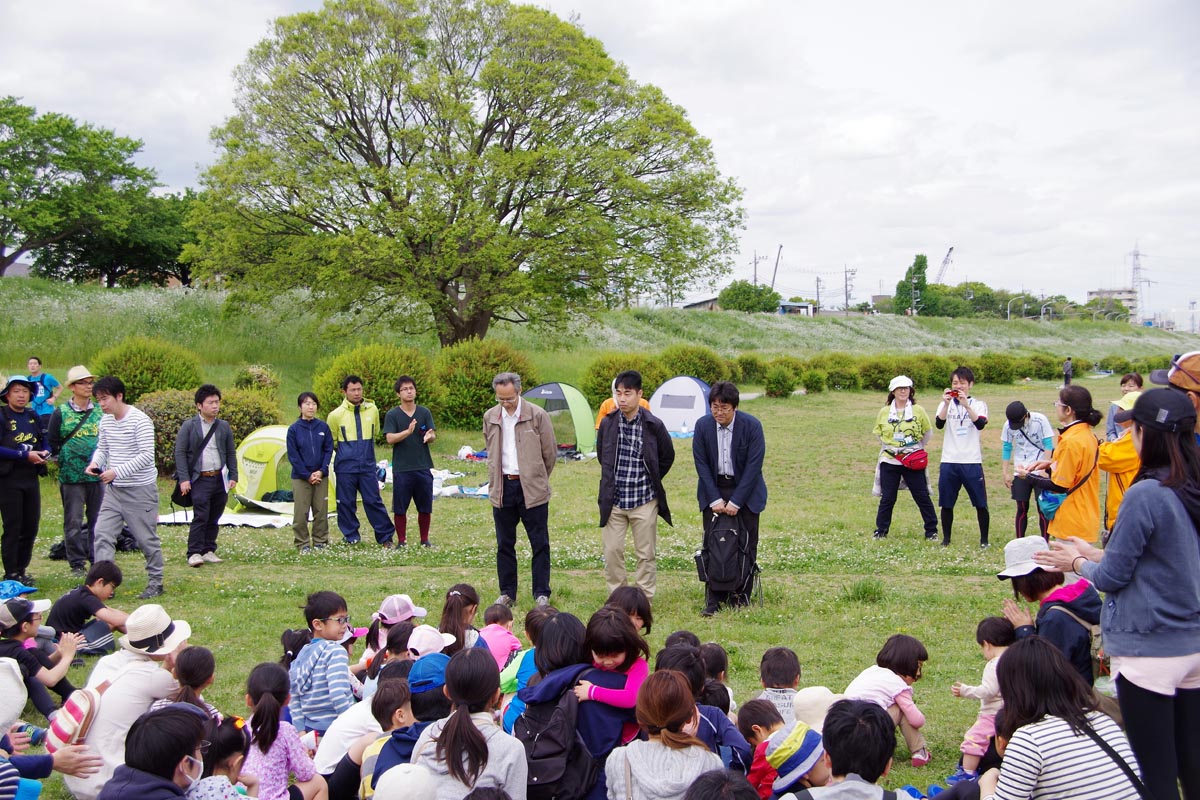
(633, 483)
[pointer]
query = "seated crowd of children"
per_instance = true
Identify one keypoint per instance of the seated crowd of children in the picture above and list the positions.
(453, 711)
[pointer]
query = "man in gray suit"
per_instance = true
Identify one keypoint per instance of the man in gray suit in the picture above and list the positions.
(203, 451)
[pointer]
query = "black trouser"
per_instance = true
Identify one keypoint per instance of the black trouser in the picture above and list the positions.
(20, 511)
(208, 503)
(81, 504)
(748, 522)
(511, 511)
(1164, 733)
(38, 695)
(918, 486)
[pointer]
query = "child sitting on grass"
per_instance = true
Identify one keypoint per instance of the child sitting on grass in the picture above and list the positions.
(194, 671)
(716, 667)
(458, 617)
(615, 646)
(83, 610)
(19, 621)
(859, 740)
(888, 685)
(994, 635)
(633, 601)
(223, 762)
(779, 672)
(797, 753)
(756, 721)
(320, 673)
(276, 754)
(516, 676)
(498, 636)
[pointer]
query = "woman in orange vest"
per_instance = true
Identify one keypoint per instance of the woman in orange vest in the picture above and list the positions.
(1074, 468)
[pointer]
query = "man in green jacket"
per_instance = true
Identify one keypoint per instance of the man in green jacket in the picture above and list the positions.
(74, 430)
(354, 424)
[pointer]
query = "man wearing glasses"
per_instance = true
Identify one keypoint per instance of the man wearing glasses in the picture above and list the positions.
(728, 449)
(521, 451)
(1183, 375)
(74, 431)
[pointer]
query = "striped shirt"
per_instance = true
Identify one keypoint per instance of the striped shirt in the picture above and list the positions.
(1046, 759)
(127, 445)
(321, 691)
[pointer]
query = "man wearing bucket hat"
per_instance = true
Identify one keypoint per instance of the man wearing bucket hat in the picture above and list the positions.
(1184, 375)
(74, 431)
(137, 674)
(23, 455)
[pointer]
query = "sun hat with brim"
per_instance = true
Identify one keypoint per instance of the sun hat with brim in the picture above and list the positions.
(900, 381)
(16, 610)
(10, 589)
(426, 639)
(1184, 372)
(151, 631)
(17, 380)
(1124, 407)
(406, 782)
(812, 703)
(78, 373)
(1164, 410)
(352, 633)
(1018, 556)
(793, 751)
(12, 693)
(428, 673)
(397, 608)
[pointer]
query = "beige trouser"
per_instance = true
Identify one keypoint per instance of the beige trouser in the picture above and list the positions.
(912, 736)
(304, 497)
(642, 522)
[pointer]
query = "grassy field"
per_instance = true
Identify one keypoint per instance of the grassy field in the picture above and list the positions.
(832, 593)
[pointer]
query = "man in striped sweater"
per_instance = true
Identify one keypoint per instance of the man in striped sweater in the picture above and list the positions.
(124, 461)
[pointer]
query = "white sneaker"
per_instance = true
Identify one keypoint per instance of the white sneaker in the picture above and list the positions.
(210, 558)
(195, 560)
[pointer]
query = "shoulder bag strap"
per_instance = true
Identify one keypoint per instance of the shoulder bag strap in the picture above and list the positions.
(1120, 762)
(66, 437)
(1032, 442)
(1084, 479)
(1086, 625)
(203, 444)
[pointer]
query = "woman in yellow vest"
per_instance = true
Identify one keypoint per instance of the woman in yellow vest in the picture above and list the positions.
(1119, 458)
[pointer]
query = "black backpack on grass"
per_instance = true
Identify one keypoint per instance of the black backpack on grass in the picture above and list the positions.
(560, 766)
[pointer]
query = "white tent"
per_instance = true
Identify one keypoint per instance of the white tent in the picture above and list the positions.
(680, 402)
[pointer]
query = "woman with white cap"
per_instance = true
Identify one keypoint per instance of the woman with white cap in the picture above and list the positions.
(1150, 574)
(903, 429)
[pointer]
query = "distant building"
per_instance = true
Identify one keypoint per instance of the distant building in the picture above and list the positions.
(707, 304)
(1127, 298)
(803, 309)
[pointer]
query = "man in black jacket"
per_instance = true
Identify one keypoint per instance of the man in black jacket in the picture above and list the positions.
(635, 453)
(203, 450)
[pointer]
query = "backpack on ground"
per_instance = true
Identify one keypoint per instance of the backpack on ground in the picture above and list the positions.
(722, 562)
(73, 721)
(560, 766)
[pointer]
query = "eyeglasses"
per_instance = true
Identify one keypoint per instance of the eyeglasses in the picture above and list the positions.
(720, 408)
(342, 620)
(507, 401)
(1058, 404)
(204, 745)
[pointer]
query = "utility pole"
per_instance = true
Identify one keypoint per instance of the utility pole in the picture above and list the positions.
(778, 253)
(849, 277)
(755, 265)
(818, 308)
(916, 293)
(1139, 280)
(1192, 308)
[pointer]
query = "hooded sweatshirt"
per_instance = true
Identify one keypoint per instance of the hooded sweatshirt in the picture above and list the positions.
(1071, 638)
(320, 678)
(506, 768)
(1150, 573)
(659, 772)
(128, 782)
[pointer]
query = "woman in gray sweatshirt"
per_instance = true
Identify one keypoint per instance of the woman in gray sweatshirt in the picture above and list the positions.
(1150, 574)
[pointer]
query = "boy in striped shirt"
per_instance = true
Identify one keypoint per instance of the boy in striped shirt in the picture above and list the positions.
(320, 675)
(124, 461)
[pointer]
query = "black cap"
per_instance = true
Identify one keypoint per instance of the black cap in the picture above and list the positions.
(1165, 410)
(1016, 412)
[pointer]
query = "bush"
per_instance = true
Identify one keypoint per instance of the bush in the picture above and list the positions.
(995, 368)
(796, 365)
(699, 362)
(596, 383)
(843, 378)
(245, 412)
(465, 371)
(258, 378)
(780, 381)
(877, 372)
(1118, 365)
(929, 372)
(733, 370)
(1150, 363)
(814, 381)
(1039, 366)
(753, 367)
(147, 365)
(378, 365)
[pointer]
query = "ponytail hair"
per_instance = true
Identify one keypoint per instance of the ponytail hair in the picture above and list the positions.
(293, 641)
(1079, 399)
(228, 739)
(268, 687)
(472, 681)
(194, 667)
(459, 598)
(397, 644)
(665, 704)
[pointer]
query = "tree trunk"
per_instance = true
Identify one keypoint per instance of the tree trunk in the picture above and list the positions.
(454, 328)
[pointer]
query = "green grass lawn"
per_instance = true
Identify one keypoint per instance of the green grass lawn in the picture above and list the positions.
(832, 593)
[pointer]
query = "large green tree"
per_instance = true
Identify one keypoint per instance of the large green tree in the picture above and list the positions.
(910, 290)
(447, 163)
(746, 296)
(145, 251)
(57, 177)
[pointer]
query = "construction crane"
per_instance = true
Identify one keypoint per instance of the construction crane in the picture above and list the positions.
(946, 262)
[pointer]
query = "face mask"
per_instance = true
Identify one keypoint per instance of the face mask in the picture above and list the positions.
(199, 771)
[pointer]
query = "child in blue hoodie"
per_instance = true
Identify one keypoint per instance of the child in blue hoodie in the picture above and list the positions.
(320, 674)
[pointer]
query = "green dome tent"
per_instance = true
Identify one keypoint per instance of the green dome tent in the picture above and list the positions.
(263, 467)
(563, 397)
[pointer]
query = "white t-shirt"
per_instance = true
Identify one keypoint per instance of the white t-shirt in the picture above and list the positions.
(1028, 442)
(350, 724)
(878, 685)
(960, 445)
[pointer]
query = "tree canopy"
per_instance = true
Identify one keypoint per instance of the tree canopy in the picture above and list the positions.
(58, 177)
(447, 163)
(145, 251)
(910, 291)
(746, 296)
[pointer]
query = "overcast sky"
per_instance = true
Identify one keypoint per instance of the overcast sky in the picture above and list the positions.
(1044, 141)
